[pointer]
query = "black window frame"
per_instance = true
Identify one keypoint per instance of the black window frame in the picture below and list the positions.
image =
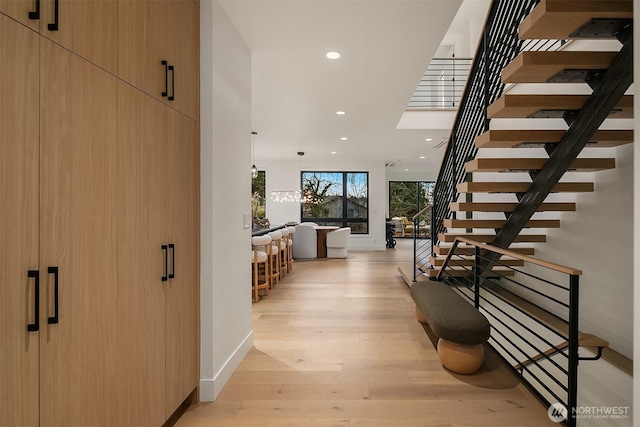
(345, 219)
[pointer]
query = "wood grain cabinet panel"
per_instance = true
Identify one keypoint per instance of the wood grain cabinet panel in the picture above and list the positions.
(143, 218)
(79, 236)
(86, 27)
(154, 31)
(182, 292)
(19, 348)
(96, 177)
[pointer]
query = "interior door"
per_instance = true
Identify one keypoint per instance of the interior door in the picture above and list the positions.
(78, 241)
(18, 224)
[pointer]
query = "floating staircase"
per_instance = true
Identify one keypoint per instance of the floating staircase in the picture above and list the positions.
(608, 76)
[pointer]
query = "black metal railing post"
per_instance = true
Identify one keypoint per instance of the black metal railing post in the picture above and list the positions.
(476, 278)
(572, 396)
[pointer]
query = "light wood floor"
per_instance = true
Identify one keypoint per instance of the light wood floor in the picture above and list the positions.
(337, 344)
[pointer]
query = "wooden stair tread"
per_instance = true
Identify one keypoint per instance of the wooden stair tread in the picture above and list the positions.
(540, 66)
(529, 138)
(520, 187)
(557, 19)
(469, 262)
(525, 105)
(488, 238)
(470, 250)
(529, 164)
(498, 223)
(508, 207)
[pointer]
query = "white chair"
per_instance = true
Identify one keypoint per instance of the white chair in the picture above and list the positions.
(338, 242)
(260, 267)
(305, 242)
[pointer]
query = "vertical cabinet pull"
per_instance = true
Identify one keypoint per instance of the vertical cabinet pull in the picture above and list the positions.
(54, 25)
(166, 78)
(165, 275)
(173, 83)
(173, 261)
(54, 319)
(32, 327)
(36, 13)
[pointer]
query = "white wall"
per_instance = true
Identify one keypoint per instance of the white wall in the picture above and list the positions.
(225, 280)
(285, 176)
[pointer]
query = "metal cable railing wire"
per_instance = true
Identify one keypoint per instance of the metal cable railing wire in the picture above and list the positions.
(499, 45)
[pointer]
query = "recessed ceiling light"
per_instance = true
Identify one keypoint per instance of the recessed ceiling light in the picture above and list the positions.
(428, 139)
(422, 157)
(340, 113)
(334, 152)
(333, 55)
(344, 138)
(406, 170)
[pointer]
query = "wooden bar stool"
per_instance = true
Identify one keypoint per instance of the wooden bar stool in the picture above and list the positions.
(290, 248)
(284, 252)
(260, 267)
(274, 258)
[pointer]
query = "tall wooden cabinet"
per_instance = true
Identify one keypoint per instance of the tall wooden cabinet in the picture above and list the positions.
(96, 176)
(19, 180)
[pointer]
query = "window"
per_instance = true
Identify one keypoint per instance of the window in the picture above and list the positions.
(258, 190)
(336, 198)
(407, 198)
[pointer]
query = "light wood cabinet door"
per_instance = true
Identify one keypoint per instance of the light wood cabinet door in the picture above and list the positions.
(182, 292)
(79, 355)
(150, 32)
(86, 27)
(19, 348)
(143, 218)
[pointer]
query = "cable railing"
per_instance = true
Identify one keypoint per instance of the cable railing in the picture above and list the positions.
(499, 44)
(532, 306)
(421, 240)
(442, 84)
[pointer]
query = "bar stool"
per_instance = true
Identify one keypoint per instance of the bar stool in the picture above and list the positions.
(273, 254)
(259, 261)
(290, 248)
(284, 252)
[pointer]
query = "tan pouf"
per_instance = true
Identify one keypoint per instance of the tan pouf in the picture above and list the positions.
(460, 358)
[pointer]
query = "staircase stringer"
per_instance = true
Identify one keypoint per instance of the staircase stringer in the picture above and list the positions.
(614, 84)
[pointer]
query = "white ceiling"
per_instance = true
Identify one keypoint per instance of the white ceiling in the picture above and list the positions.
(385, 45)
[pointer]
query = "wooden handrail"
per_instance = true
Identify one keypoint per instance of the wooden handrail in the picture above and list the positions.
(426, 208)
(546, 264)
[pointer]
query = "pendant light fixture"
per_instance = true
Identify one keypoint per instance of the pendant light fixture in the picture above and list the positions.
(254, 169)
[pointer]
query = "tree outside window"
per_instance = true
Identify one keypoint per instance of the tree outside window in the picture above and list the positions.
(336, 198)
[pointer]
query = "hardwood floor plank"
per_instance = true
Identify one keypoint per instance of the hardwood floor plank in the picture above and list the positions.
(336, 344)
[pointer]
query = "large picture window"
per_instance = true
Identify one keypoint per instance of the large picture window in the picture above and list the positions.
(336, 198)
(407, 198)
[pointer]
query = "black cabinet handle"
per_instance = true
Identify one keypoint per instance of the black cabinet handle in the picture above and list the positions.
(173, 261)
(54, 26)
(166, 78)
(36, 13)
(32, 327)
(54, 320)
(173, 83)
(165, 275)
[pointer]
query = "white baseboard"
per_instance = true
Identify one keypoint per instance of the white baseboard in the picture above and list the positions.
(210, 388)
